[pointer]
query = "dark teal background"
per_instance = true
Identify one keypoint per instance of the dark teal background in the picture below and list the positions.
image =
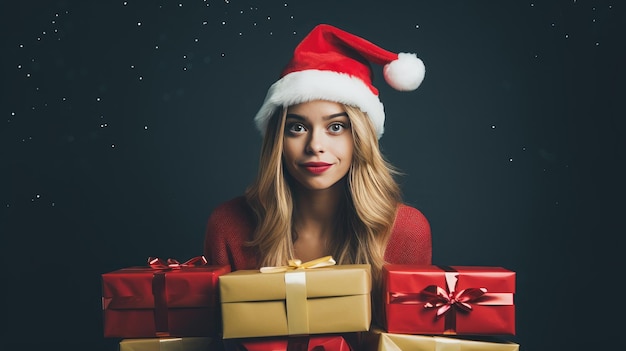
(125, 123)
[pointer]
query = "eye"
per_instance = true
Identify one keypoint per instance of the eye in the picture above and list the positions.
(337, 128)
(295, 128)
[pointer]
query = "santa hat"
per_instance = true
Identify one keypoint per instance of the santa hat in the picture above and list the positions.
(334, 65)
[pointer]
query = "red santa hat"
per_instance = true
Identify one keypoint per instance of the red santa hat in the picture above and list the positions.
(334, 65)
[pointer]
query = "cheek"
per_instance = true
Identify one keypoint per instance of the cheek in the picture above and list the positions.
(289, 152)
(347, 151)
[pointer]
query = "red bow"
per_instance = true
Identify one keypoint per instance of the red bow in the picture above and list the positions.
(444, 300)
(171, 263)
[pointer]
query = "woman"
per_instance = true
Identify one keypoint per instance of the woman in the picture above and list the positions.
(323, 187)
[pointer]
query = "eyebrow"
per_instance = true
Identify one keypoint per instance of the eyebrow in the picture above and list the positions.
(334, 115)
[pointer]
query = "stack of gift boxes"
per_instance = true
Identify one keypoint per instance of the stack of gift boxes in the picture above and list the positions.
(311, 306)
(163, 306)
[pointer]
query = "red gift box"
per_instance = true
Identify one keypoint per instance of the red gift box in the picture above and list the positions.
(425, 299)
(289, 343)
(166, 298)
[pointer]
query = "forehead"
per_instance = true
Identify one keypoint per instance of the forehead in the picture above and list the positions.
(316, 108)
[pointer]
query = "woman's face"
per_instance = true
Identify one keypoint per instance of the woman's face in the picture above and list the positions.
(318, 143)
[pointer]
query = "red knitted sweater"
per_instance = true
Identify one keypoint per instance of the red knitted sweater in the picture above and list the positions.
(232, 223)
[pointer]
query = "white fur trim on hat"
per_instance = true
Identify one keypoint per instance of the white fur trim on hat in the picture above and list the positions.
(309, 85)
(406, 73)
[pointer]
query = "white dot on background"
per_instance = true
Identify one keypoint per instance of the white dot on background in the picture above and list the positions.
(511, 159)
(493, 126)
(145, 127)
(112, 145)
(138, 24)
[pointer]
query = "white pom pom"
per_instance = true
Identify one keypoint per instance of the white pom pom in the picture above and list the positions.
(406, 73)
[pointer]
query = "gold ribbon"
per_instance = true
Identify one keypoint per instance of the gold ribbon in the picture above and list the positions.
(296, 303)
(295, 294)
(297, 264)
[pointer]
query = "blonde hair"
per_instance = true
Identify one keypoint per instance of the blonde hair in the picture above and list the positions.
(367, 212)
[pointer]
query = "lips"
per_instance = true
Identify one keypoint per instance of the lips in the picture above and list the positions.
(317, 167)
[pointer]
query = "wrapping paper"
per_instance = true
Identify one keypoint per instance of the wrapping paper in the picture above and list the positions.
(161, 300)
(465, 300)
(333, 299)
(405, 342)
(289, 343)
(167, 344)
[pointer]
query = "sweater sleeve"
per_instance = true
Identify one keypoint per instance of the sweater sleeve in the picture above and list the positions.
(410, 241)
(229, 227)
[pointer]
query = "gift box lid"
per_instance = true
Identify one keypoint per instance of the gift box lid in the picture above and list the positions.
(252, 285)
(404, 277)
(401, 342)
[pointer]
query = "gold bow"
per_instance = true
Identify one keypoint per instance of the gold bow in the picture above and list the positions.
(297, 264)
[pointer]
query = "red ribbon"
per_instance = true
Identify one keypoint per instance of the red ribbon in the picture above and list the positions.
(171, 263)
(446, 300)
(443, 300)
(161, 322)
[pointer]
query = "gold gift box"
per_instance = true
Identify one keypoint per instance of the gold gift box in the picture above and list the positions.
(333, 299)
(407, 342)
(166, 344)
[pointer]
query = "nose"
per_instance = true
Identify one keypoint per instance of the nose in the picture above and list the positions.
(315, 144)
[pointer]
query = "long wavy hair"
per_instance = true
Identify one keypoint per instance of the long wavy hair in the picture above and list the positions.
(366, 216)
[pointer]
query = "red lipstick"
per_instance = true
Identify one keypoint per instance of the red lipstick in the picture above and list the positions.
(317, 167)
